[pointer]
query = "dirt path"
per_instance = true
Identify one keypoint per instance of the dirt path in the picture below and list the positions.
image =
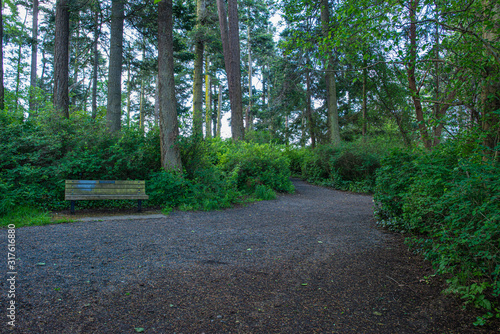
(312, 262)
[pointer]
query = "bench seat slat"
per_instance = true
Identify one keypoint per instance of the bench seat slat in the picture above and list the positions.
(104, 190)
(104, 182)
(100, 197)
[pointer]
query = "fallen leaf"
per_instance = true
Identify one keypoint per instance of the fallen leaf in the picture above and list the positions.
(139, 329)
(377, 313)
(40, 264)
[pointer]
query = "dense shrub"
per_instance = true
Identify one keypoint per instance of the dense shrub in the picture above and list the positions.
(450, 203)
(37, 155)
(257, 164)
(347, 167)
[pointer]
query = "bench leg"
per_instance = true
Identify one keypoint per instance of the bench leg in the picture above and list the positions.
(139, 205)
(72, 207)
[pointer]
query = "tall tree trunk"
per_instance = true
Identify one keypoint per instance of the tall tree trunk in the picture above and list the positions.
(19, 68)
(198, 74)
(2, 89)
(34, 49)
(364, 98)
(219, 105)
(61, 59)
(141, 97)
(248, 116)
(169, 129)
(95, 60)
(231, 48)
(490, 95)
(114, 110)
(410, 69)
(331, 88)
(213, 91)
(76, 51)
(157, 102)
(308, 109)
(264, 87)
(208, 100)
(129, 91)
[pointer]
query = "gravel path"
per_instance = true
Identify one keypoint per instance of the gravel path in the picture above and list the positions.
(311, 262)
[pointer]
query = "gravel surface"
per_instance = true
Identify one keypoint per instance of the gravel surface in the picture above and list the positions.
(311, 262)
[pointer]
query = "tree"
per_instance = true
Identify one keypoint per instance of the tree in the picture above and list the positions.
(208, 99)
(114, 108)
(34, 50)
(231, 48)
(61, 59)
(169, 130)
(2, 91)
(331, 88)
(95, 60)
(198, 71)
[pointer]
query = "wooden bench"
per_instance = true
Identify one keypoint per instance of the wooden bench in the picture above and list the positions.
(83, 190)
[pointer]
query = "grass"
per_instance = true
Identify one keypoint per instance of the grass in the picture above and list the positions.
(25, 216)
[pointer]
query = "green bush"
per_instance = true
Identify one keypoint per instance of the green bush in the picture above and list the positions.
(257, 164)
(450, 204)
(38, 154)
(347, 167)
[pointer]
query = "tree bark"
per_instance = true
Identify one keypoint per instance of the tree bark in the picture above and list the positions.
(95, 59)
(2, 90)
(169, 130)
(34, 49)
(410, 69)
(365, 74)
(309, 109)
(219, 105)
(248, 116)
(208, 100)
(129, 92)
(141, 97)
(198, 74)
(157, 102)
(490, 95)
(61, 59)
(198, 91)
(114, 110)
(231, 48)
(331, 89)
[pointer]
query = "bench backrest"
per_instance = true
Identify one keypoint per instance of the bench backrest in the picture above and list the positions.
(102, 189)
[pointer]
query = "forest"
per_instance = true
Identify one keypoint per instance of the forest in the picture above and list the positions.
(216, 103)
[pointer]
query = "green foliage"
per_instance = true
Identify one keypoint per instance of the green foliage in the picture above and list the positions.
(25, 216)
(449, 202)
(257, 164)
(264, 193)
(347, 167)
(37, 155)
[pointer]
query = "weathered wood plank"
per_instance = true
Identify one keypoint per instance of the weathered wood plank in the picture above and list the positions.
(101, 197)
(104, 186)
(105, 191)
(105, 182)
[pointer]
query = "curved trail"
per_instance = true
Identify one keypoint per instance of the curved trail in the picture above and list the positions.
(311, 262)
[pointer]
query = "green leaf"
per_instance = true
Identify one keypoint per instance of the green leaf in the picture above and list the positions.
(139, 329)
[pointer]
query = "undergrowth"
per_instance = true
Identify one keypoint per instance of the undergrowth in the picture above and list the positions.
(37, 155)
(448, 203)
